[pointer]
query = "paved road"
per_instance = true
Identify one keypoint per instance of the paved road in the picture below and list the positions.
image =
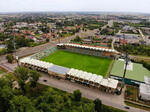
(110, 24)
(36, 49)
(112, 44)
(144, 37)
(108, 99)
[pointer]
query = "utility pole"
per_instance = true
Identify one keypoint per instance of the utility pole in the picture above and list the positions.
(16, 56)
(125, 68)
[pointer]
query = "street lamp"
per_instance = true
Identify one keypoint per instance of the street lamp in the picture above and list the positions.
(16, 56)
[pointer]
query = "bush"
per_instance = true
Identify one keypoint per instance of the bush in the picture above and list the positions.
(77, 95)
(47, 40)
(10, 58)
(98, 104)
(3, 51)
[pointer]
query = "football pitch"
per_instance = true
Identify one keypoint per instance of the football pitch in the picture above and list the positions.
(95, 65)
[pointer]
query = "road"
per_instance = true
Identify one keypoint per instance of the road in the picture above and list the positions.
(112, 44)
(32, 50)
(144, 37)
(110, 24)
(36, 49)
(90, 93)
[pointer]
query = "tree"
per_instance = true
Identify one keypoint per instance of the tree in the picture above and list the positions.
(77, 38)
(6, 95)
(98, 105)
(21, 104)
(10, 58)
(3, 51)
(34, 77)
(10, 46)
(77, 95)
(22, 74)
(47, 40)
(87, 107)
(10, 78)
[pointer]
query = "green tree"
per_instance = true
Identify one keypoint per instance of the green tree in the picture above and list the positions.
(87, 107)
(77, 39)
(21, 104)
(47, 40)
(6, 93)
(10, 78)
(22, 75)
(77, 95)
(98, 105)
(10, 58)
(34, 77)
(3, 51)
(10, 46)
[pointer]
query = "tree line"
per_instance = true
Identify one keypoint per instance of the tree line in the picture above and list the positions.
(136, 49)
(30, 96)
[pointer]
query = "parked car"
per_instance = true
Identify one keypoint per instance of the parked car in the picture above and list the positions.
(45, 80)
(127, 107)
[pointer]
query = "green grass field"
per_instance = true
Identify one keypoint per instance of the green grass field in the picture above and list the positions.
(1, 71)
(95, 65)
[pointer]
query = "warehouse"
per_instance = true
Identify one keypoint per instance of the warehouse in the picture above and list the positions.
(134, 75)
(144, 91)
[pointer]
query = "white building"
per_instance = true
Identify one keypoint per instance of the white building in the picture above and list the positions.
(144, 91)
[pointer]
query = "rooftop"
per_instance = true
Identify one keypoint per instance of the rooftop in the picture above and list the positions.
(58, 69)
(134, 72)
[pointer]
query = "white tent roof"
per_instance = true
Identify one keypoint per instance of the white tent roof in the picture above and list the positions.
(88, 76)
(112, 83)
(78, 74)
(98, 79)
(74, 72)
(84, 46)
(70, 71)
(93, 77)
(35, 62)
(82, 76)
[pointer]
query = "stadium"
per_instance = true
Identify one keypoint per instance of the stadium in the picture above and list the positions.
(80, 63)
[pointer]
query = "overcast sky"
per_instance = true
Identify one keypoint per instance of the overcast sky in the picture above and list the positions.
(75, 5)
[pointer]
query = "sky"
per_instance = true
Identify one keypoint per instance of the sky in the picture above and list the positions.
(142, 6)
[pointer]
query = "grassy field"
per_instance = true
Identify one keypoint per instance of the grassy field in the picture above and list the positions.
(95, 65)
(133, 92)
(1, 71)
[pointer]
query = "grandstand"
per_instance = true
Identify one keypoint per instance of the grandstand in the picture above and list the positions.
(88, 50)
(44, 53)
(97, 81)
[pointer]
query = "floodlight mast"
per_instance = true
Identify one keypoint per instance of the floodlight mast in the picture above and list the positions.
(16, 56)
(125, 69)
(126, 64)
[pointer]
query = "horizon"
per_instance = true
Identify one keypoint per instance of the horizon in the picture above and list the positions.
(90, 12)
(116, 6)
